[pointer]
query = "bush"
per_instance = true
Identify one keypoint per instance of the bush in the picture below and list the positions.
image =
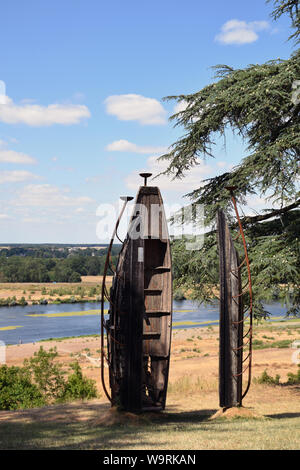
(179, 295)
(42, 381)
(75, 277)
(22, 301)
(48, 376)
(77, 386)
(17, 390)
(265, 378)
(294, 379)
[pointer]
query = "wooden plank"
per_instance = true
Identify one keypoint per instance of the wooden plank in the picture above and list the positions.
(231, 315)
(135, 326)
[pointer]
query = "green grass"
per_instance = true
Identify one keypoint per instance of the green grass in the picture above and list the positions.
(68, 337)
(170, 430)
(281, 344)
(67, 314)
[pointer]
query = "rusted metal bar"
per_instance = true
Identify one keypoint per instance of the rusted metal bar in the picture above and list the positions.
(241, 231)
(104, 291)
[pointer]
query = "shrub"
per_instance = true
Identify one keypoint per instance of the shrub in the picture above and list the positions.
(77, 386)
(47, 375)
(22, 301)
(92, 292)
(265, 378)
(17, 389)
(40, 381)
(294, 379)
(179, 295)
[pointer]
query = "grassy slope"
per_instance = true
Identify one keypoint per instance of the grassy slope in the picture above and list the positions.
(192, 400)
(175, 429)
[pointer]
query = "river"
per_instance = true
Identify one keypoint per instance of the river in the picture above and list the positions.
(36, 322)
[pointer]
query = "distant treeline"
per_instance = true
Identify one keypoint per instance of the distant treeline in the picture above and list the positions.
(41, 268)
(55, 251)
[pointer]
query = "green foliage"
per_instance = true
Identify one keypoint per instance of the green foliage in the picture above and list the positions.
(77, 386)
(47, 374)
(22, 301)
(265, 378)
(281, 344)
(17, 390)
(179, 294)
(255, 103)
(32, 265)
(292, 8)
(196, 270)
(294, 379)
(42, 381)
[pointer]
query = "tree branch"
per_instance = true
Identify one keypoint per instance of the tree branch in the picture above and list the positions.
(259, 218)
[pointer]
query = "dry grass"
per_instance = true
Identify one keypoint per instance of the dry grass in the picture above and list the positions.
(186, 425)
(270, 418)
(63, 290)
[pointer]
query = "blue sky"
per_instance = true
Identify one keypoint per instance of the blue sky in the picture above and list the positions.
(82, 112)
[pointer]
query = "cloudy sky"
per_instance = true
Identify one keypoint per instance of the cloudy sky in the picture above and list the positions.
(81, 111)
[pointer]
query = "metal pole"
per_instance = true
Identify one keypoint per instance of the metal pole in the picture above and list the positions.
(126, 199)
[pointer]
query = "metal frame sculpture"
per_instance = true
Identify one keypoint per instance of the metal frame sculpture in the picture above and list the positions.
(233, 315)
(140, 312)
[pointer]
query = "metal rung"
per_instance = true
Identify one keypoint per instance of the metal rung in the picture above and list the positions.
(156, 358)
(146, 334)
(158, 313)
(159, 268)
(153, 291)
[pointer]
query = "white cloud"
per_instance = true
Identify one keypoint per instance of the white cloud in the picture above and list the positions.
(93, 179)
(125, 146)
(255, 204)
(181, 106)
(16, 176)
(46, 195)
(240, 32)
(191, 181)
(10, 156)
(4, 217)
(134, 107)
(36, 115)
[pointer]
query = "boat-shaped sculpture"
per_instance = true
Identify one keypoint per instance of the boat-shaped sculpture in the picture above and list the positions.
(140, 312)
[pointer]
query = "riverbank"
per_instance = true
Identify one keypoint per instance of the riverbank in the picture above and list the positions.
(194, 352)
(273, 412)
(26, 293)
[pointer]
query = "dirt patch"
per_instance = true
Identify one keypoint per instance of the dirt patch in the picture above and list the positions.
(234, 413)
(114, 416)
(95, 279)
(50, 291)
(76, 411)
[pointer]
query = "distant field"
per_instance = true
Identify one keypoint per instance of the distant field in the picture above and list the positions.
(94, 279)
(88, 289)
